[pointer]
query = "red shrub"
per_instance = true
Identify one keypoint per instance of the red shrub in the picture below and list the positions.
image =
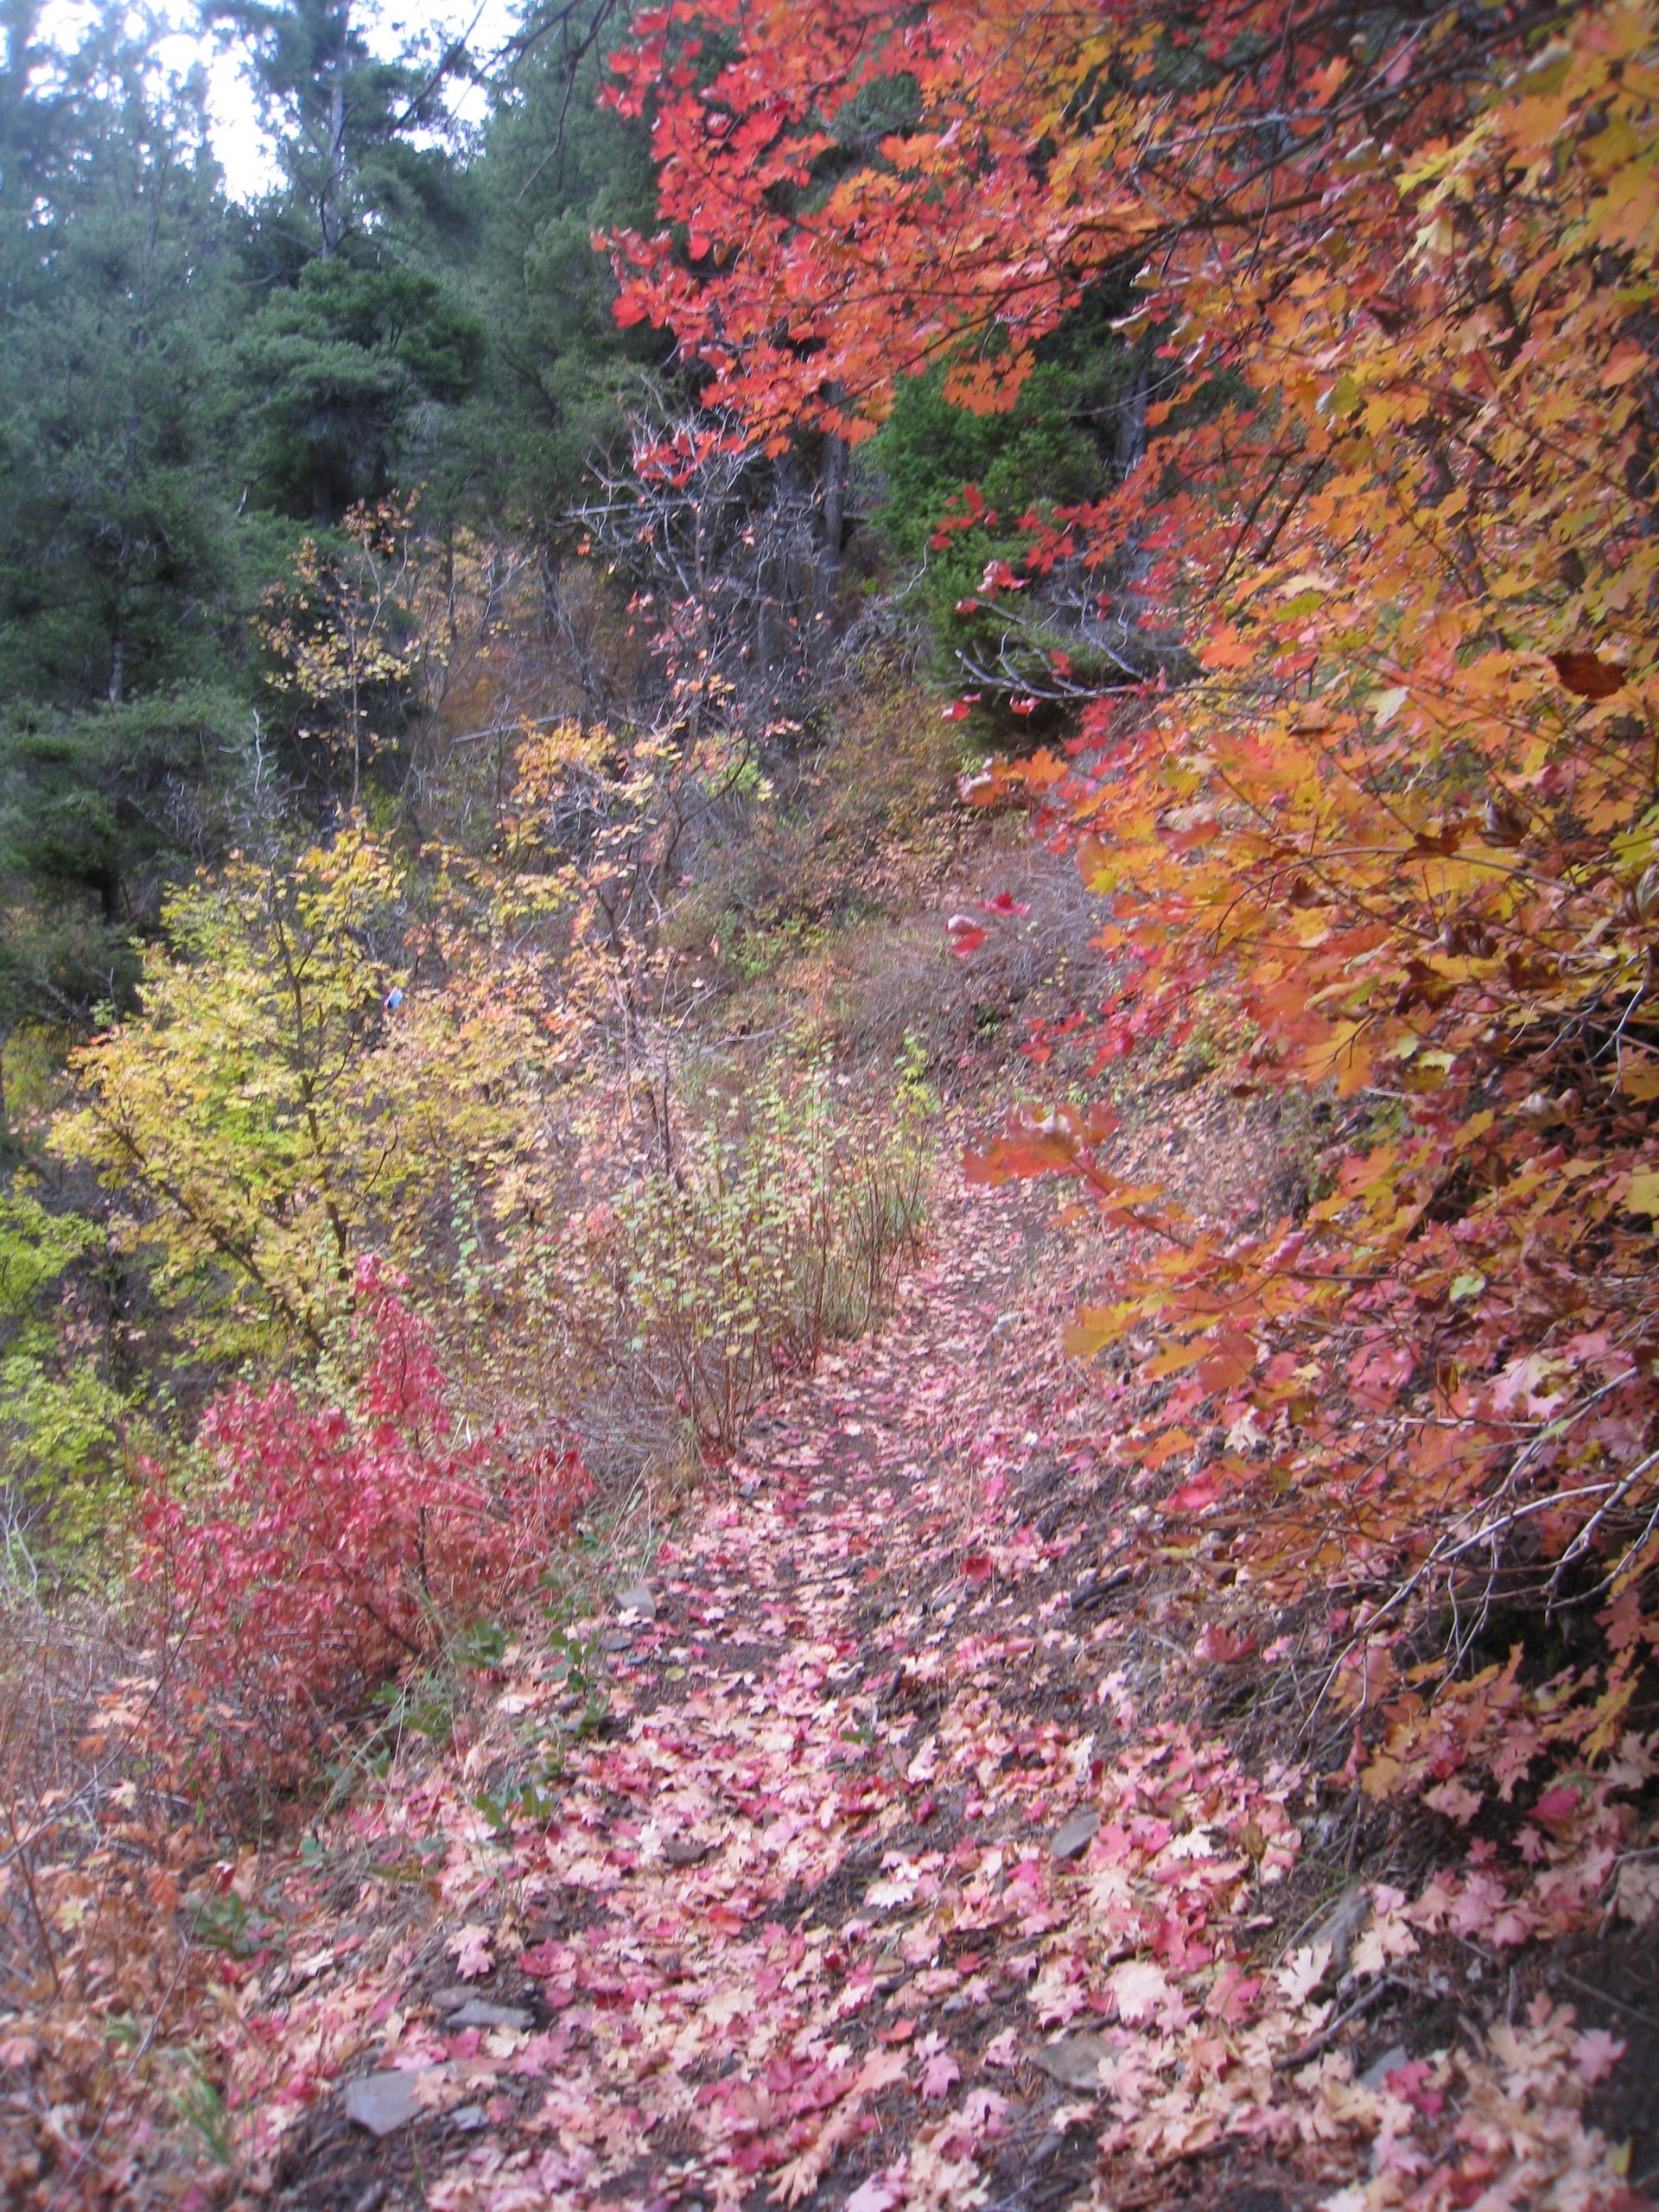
(340, 1543)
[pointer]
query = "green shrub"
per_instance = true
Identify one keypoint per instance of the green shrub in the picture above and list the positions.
(59, 1419)
(771, 1230)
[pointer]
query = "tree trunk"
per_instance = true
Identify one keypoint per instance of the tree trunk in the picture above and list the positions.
(1132, 417)
(331, 214)
(835, 505)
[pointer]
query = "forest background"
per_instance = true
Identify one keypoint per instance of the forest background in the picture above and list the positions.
(410, 711)
(583, 696)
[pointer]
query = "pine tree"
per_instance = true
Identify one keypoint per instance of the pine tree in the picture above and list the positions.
(358, 348)
(119, 567)
(555, 170)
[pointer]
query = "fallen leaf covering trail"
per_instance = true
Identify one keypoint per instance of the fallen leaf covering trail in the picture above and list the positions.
(888, 1882)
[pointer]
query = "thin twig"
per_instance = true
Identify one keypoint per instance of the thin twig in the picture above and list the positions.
(1328, 2034)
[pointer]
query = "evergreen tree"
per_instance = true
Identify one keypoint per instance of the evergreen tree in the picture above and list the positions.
(554, 169)
(119, 573)
(358, 346)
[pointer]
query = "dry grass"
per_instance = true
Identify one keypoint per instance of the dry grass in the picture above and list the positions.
(821, 921)
(882, 981)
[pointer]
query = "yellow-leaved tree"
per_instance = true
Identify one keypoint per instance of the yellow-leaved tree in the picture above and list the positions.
(323, 1053)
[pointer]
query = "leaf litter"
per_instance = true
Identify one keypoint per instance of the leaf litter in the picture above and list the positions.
(905, 1868)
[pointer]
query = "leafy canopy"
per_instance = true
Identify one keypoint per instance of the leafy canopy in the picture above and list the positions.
(1387, 803)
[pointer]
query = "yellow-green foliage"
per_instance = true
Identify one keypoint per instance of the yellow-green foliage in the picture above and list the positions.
(59, 1417)
(276, 1115)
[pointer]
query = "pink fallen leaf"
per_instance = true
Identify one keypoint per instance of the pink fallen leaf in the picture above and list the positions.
(983, 2112)
(940, 2072)
(472, 1950)
(1302, 1971)
(1558, 1803)
(1456, 1799)
(1224, 1647)
(1413, 2084)
(875, 2195)
(1140, 1988)
(1193, 1496)
(1595, 2053)
(1234, 1994)
(1387, 1939)
(880, 2071)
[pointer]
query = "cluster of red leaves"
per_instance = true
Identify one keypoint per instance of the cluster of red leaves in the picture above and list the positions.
(1384, 821)
(333, 1547)
(339, 1543)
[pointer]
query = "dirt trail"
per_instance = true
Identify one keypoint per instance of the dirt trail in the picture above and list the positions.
(878, 1886)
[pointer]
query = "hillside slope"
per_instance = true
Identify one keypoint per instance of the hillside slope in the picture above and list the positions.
(908, 1836)
(918, 1807)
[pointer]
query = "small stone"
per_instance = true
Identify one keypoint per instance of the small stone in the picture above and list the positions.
(383, 2102)
(1073, 1837)
(1380, 2069)
(1073, 2062)
(638, 1599)
(682, 1851)
(616, 1639)
(477, 2013)
(1339, 1929)
(468, 2118)
(452, 1997)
